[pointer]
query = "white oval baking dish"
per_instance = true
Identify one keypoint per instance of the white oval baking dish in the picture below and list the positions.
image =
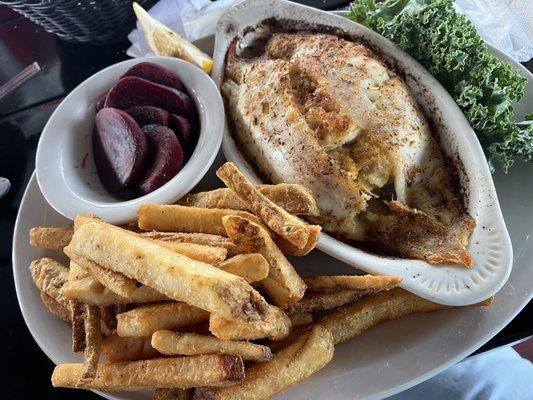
(490, 245)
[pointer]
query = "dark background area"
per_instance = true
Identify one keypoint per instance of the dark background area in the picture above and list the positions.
(26, 369)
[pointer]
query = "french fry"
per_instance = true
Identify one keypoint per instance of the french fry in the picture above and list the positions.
(173, 394)
(55, 308)
(81, 219)
(300, 319)
(119, 349)
(170, 273)
(49, 276)
(76, 308)
(89, 290)
(78, 326)
(352, 282)
(283, 283)
(253, 267)
(349, 321)
(91, 354)
(320, 301)
(308, 354)
(76, 272)
(295, 199)
(276, 218)
(199, 252)
(289, 249)
(114, 281)
(50, 238)
(176, 218)
(143, 321)
(198, 238)
(182, 372)
(278, 328)
(190, 344)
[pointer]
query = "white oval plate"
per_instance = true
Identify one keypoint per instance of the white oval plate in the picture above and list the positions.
(490, 245)
(386, 360)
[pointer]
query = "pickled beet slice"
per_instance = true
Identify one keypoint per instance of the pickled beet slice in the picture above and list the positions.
(132, 91)
(167, 158)
(154, 73)
(120, 149)
(182, 129)
(148, 115)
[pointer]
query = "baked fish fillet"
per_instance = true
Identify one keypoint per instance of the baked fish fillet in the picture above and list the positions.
(325, 112)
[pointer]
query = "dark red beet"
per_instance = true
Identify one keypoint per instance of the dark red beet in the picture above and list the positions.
(119, 147)
(100, 102)
(182, 129)
(154, 73)
(167, 159)
(132, 91)
(148, 115)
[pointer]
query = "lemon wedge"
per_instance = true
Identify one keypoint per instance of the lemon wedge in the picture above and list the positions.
(165, 42)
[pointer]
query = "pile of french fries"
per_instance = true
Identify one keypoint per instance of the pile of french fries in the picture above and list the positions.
(184, 299)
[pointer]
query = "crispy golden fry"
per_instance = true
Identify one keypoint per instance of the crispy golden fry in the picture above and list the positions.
(199, 252)
(352, 319)
(352, 282)
(114, 281)
(253, 267)
(49, 276)
(278, 327)
(289, 249)
(78, 325)
(50, 238)
(320, 301)
(198, 238)
(300, 319)
(190, 344)
(76, 272)
(283, 283)
(308, 354)
(89, 290)
(76, 308)
(81, 219)
(175, 218)
(295, 199)
(182, 372)
(143, 321)
(173, 394)
(276, 218)
(170, 273)
(55, 308)
(119, 349)
(93, 339)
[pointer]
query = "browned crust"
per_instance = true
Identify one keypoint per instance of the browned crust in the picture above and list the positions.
(49, 276)
(93, 338)
(55, 308)
(50, 238)
(78, 326)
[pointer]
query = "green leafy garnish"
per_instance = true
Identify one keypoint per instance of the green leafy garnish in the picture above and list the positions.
(450, 48)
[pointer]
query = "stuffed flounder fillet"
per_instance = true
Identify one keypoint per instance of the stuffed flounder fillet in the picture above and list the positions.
(325, 112)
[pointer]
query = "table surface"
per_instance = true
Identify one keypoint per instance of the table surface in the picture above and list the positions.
(22, 118)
